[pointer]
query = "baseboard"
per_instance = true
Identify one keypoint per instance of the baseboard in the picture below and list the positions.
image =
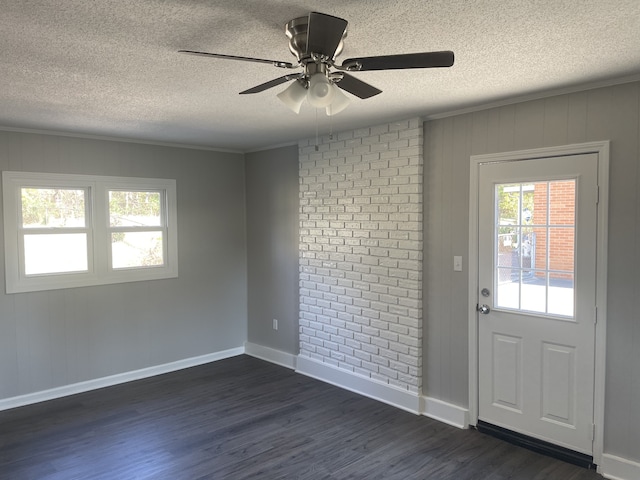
(359, 384)
(446, 412)
(618, 468)
(270, 355)
(111, 380)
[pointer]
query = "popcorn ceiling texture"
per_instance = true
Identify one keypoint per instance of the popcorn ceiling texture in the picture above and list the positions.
(112, 68)
(361, 252)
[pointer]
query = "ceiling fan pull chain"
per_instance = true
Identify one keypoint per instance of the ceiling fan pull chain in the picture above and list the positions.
(330, 127)
(317, 147)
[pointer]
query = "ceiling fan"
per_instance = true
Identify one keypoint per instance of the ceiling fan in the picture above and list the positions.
(315, 40)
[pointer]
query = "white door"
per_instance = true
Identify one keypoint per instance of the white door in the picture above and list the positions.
(537, 225)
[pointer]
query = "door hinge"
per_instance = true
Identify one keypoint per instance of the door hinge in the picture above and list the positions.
(597, 194)
(593, 432)
(595, 315)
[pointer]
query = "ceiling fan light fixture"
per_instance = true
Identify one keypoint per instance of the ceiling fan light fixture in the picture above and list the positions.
(293, 96)
(321, 91)
(339, 103)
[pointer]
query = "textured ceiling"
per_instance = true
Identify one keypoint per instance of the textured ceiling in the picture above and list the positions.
(110, 67)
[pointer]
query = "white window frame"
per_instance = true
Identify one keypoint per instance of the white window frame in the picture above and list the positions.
(98, 228)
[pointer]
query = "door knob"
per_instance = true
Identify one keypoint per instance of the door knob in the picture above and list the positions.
(483, 309)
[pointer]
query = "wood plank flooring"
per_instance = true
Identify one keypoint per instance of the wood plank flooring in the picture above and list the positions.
(244, 418)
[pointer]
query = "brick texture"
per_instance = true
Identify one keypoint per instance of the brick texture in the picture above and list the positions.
(361, 252)
(559, 227)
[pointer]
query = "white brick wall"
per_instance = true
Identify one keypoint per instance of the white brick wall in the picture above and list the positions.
(361, 252)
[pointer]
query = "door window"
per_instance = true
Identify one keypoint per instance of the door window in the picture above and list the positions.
(534, 261)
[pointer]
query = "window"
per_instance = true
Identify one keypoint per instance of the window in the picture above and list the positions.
(66, 231)
(535, 247)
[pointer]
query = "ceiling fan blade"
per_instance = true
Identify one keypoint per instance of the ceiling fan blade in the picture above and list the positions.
(357, 87)
(394, 62)
(325, 33)
(272, 83)
(275, 63)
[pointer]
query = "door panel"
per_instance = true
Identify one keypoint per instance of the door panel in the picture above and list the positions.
(507, 372)
(537, 257)
(558, 383)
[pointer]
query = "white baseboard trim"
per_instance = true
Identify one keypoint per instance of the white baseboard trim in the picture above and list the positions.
(270, 355)
(94, 384)
(359, 384)
(618, 468)
(446, 412)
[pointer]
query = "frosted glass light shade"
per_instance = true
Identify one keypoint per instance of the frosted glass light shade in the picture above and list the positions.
(293, 96)
(339, 103)
(321, 91)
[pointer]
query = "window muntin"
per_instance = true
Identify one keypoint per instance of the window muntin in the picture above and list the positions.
(65, 231)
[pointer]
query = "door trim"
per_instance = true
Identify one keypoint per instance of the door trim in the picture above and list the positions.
(602, 150)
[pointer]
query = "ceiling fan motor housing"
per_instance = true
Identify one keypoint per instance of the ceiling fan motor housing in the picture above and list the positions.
(297, 32)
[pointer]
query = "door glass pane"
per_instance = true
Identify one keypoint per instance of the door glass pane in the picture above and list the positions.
(563, 198)
(561, 294)
(539, 247)
(508, 204)
(527, 203)
(534, 291)
(134, 209)
(55, 253)
(507, 238)
(561, 243)
(534, 247)
(136, 249)
(508, 291)
(540, 200)
(52, 207)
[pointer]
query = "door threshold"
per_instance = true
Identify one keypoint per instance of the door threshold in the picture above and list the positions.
(538, 446)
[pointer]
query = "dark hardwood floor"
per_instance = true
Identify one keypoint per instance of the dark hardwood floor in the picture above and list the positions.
(245, 418)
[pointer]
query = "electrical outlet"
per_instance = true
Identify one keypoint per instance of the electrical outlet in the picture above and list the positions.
(275, 324)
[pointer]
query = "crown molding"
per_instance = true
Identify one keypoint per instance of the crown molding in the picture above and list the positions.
(534, 96)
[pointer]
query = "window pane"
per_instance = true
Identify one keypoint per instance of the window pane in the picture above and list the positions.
(508, 291)
(540, 203)
(534, 292)
(136, 249)
(52, 207)
(561, 248)
(563, 201)
(134, 209)
(527, 204)
(55, 253)
(507, 246)
(508, 203)
(561, 294)
(539, 248)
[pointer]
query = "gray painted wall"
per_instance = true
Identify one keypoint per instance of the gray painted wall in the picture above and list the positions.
(272, 247)
(54, 338)
(611, 113)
